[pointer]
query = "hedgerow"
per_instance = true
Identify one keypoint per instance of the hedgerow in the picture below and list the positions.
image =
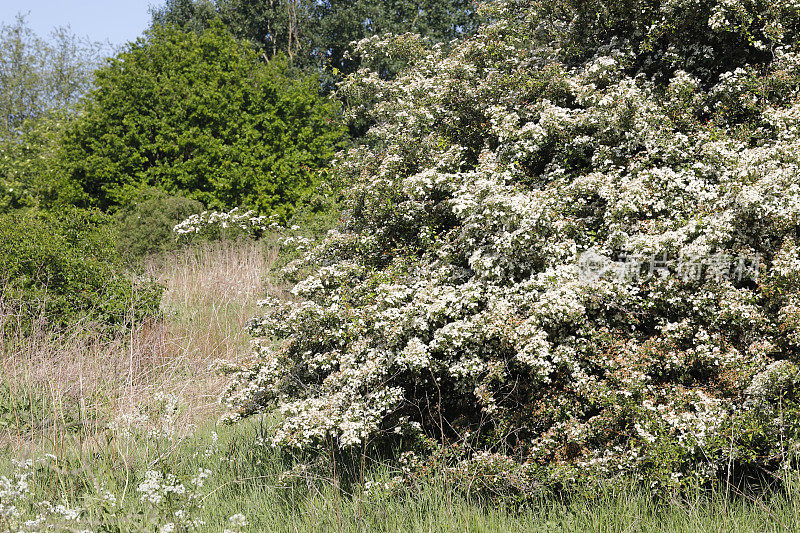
(570, 249)
(57, 269)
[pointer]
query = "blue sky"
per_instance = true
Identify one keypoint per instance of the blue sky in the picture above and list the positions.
(114, 21)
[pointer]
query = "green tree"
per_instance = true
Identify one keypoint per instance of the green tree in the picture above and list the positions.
(30, 164)
(320, 32)
(340, 22)
(274, 26)
(200, 115)
(191, 15)
(41, 80)
(21, 76)
(38, 75)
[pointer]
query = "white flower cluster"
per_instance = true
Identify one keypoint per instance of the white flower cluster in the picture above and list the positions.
(12, 491)
(19, 511)
(156, 420)
(768, 386)
(166, 501)
(214, 221)
(176, 501)
(451, 302)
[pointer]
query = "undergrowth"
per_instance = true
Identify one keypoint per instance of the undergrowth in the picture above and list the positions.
(121, 435)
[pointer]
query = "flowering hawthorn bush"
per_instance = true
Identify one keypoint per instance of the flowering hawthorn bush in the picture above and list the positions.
(456, 303)
(215, 224)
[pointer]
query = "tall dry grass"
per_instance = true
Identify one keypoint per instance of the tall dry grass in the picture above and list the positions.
(87, 380)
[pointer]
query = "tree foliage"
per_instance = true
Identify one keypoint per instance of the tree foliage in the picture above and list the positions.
(30, 164)
(275, 26)
(319, 33)
(41, 81)
(200, 115)
(571, 252)
(38, 75)
(339, 23)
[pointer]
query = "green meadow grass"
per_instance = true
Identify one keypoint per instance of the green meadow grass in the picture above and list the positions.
(246, 478)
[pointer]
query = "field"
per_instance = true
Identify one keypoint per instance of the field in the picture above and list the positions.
(403, 266)
(93, 414)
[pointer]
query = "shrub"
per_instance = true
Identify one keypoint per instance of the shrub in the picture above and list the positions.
(561, 258)
(145, 225)
(64, 267)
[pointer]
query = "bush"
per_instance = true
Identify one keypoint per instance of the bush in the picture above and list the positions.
(145, 225)
(319, 213)
(65, 267)
(203, 116)
(560, 258)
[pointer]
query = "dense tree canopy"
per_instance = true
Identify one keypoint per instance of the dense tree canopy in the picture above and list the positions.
(320, 32)
(30, 164)
(274, 25)
(571, 252)
(203, 115)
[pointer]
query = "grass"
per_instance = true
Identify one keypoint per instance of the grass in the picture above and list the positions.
(210, 292)
(60, 392)
(247, 479)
